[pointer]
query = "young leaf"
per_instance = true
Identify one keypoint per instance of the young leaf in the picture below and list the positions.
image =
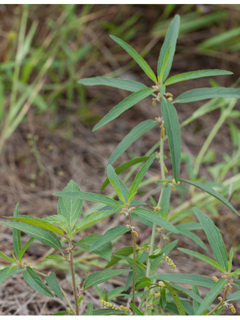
(207, 93)
(176, 299)
(123, 106)
(35, 282)
(164, 65)
(109, 236)
(117, 184)
(152, 217)
(124, 167)
(70, 208)
(90, 309)
(2, 255)
(42, 235)
(140, 61)
(204, 258)
(16, 233)
(104, 251)
(136, 310)
(174, 134)
(24, 248)
(191, 236)
(88, 196)
(129, 85)
(131, 137)
(139, 177)
(8, 272)
(170, 40)
(92, 218)
(192, 279)
(126, 251)
(212, 294)
(61, 221)
(214, 238)
(101, 276)
(212, 192)
(196, 75)
(54, 285)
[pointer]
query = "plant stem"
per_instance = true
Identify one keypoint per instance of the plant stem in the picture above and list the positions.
(134, 261)
(220, 303)
(73, 276)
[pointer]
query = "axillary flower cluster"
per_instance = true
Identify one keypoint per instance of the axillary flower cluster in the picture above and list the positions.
(112, 306)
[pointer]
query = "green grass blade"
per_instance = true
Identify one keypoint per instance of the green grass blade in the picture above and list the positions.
(35, 282)
(170, 40)
(117, 184)
(174, 135)
(214, 238)
(140, 61)
(196, 75)
(123, 106)
(207, 93)
(129, 85)
(16, 234)
(54, 285)
(131, 137)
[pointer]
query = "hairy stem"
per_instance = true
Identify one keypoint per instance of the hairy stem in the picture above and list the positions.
(73, 276)
(134, 260)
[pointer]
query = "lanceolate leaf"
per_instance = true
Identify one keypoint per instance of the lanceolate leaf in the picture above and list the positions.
(214, 238)
(109, 236)
(165, 63)
(8, 272)
(101, 276)
(123, 106)
(139, 177)
(128, 85)
(212, 192)
(2, 255)
(140, 61)
(175, 296)
(234, 296)
(170, 40)
(174, 135)
(16, 234)
(131, 137)
(188, 292)
(90, 309)
(191, 236)
(117, 184)
(195, 75)
(89, 197)
(70, 208)
(203, 258)
(124, 167)
(136, 310)
(36, 283)
(212, 294)
(152, 217)
(93, 218)
(126, 251)
(42, 235)
(24, 248)
(54, 285)
(207, 93)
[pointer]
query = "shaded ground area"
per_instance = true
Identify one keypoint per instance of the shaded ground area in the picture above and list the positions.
(68, 149)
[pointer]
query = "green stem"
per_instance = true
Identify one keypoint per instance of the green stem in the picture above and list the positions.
(73, 276)
(134, 261)
(220, 303)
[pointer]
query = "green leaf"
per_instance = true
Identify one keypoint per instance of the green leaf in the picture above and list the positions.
(165, 250)
(35, 282)
(70, 208)
(24, 248)
(139, 177)
(204, 258)
(212, 294)
(123, 106)
(191, 293)
(234, 296)
(116, 292)
(128, 85)
(192, 279)
(131, 137)
(101, 276)
(54, 285)
(37, 223)
(214, 238)
(165, 201)
(207, 93)
(124, 167)
(54, 256)
(142, 283)
(164, 65)
(162, 300)
(88, 196)
(117, 184)
(176, 299)
(126, 251)
(16, 233)
(104, 251)
(230, 260)
(140, 61)
(212, 192)
(136, 310)
(196, 75)
(90, 309)
(92, 218)
(44, 236)
(152, 217)
(170, 40)
(191, 236)
(174, 134)
(2, 255)
(8, 272)
(109, 236)
(140, 267)
(196, 302)
(61, 221)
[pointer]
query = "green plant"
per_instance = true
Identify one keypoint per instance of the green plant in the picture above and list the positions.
(160, 293)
